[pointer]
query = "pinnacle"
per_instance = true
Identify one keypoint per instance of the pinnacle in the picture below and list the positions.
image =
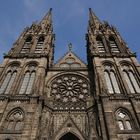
(70, 47)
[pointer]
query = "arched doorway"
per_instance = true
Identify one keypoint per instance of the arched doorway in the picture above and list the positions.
(69, 136)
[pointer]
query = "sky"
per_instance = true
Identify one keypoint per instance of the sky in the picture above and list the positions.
(70, 21)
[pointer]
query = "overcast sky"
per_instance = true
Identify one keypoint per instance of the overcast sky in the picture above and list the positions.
(70, 20)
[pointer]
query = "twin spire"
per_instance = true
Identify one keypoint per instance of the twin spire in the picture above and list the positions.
(47, 19)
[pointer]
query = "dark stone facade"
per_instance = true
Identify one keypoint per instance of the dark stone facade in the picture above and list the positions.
(70, 100)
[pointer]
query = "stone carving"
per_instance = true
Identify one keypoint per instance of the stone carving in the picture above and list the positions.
(69, 91)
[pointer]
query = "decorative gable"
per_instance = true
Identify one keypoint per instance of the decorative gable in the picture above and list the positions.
(70, 60)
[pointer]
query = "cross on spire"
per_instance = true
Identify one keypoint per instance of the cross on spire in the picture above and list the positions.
(70, 46)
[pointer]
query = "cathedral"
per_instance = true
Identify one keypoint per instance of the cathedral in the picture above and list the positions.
(70, 100)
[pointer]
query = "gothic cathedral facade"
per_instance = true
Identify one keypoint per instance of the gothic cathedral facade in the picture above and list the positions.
(70, 100)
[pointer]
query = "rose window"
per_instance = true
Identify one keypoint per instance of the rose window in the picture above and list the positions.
(69, 89)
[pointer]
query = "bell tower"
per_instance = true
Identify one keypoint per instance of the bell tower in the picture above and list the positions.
(117, 81)
(36, 41)
(22, 80)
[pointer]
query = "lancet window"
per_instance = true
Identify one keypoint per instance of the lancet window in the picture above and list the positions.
(100, 44)
(9, 80)
(39, 45)
(29, 77)
(111, 80)
(131, 79)
(113, 45)
(14, 121)
(26, 47)
(123, 120)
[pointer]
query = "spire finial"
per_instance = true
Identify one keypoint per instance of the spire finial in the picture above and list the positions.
(93, 18)
(47, 19)
(70, 46)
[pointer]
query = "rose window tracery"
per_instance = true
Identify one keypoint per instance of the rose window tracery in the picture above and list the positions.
(69, 91)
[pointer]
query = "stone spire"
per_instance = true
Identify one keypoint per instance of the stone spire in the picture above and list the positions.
(93, 19)
(47, 19)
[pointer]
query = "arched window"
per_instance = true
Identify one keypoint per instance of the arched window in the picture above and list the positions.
(123, 120)
(131, 79)
(26, 47)
(111, 80)
(14, 121)
(39, 45)
(9, 80)
(113, 45)
(100, 44)
(28, 81)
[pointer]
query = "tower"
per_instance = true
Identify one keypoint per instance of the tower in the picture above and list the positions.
(22, 81)
(116, 80)
(69, 100)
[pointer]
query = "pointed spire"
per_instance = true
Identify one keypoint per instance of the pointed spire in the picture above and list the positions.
(47, 20)
(93, 19)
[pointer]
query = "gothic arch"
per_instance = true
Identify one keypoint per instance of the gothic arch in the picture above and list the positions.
(113, 37)
(124, 119)
(28, 38)
(14, 63)
(111, 78)
(64, 131)
(40, 44)
(107, 62)
(100, 44)
(113, 44)
(8, 78)
(28, 64)
(14, 110)
(69, 135)
(131, 77)
(125, 62)
(14, 120)
(129, 64)
(40, 37)
(28, 81)
(64, 73)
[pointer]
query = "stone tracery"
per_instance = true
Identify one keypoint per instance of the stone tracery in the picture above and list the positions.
(69, 90)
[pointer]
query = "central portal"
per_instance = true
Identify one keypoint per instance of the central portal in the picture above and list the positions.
(69, 136)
